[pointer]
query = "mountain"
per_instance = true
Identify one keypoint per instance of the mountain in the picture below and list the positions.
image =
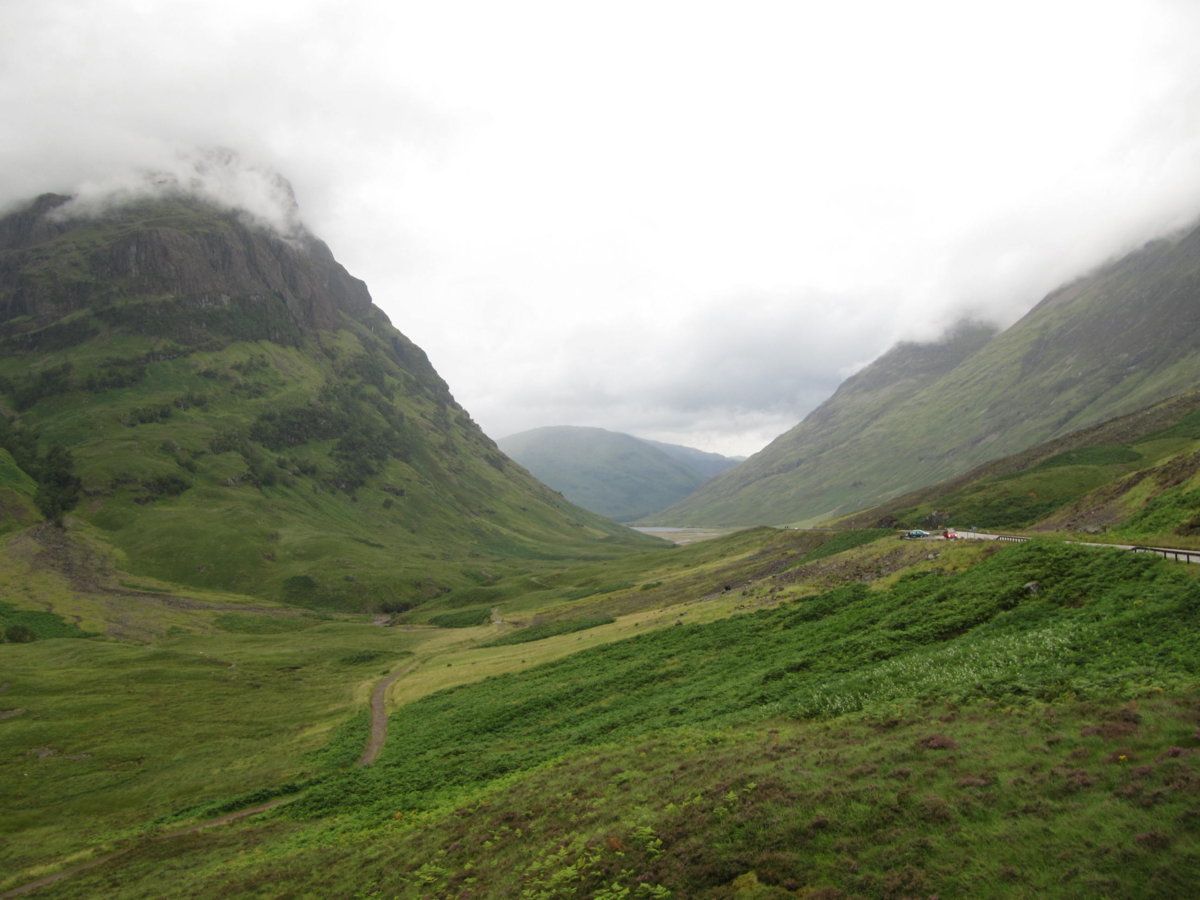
(617, 475)
(1108, 344)
(702, 462)
(224, 407)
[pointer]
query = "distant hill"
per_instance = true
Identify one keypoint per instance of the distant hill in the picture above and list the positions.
(226, 408)
(617, 475)
(1108, 344)
(702, 462)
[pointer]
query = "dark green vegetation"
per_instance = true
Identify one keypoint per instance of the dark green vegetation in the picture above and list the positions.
(20, 626)
(1005, 719)
(466, 618)
(1105, 345)
(228, 410)
(1134, 478)
(616, 475)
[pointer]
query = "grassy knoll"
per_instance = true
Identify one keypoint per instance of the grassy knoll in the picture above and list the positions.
(937, 731)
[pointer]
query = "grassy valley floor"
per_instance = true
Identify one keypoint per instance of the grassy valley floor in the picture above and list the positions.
(771, 713)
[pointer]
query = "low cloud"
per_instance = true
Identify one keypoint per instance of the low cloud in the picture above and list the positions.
(661, 218)
(218, 176)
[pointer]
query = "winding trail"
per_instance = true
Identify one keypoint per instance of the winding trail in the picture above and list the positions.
(379, 719)
(379, 716)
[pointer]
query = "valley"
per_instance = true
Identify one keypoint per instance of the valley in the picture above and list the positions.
(280, 619)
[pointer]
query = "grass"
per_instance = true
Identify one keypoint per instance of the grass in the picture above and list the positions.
(466, 618)
(949, 730)
(545, 630)
(986, 800)
(1104, 625)
(110, 736)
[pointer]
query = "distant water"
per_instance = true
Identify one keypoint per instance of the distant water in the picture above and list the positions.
(682, 535)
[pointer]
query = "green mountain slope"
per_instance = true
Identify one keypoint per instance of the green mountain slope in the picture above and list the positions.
(702, 462)
(242, 416)
(1135, 477)
(617, 475)
(1108, 344)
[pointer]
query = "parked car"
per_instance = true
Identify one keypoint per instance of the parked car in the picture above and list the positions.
(915, 534)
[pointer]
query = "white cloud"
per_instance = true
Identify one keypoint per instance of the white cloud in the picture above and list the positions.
(681, 219)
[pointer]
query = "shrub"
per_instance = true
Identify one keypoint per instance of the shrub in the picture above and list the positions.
(19, 634)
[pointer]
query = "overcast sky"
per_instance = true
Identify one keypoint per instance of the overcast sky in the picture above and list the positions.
(684, 220)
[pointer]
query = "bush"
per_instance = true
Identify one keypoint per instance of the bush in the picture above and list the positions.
(58, 488)
(19, 634)
(394, 606)
(46, 383)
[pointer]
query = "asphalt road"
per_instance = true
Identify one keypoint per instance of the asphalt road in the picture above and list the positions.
(1176, 553)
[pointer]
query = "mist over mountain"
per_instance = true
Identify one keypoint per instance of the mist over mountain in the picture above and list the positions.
(1108, 343)
(234, 411)
(617, 475)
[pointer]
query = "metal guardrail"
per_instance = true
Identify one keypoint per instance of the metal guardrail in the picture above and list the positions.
(1174, 553)
(1188, 556)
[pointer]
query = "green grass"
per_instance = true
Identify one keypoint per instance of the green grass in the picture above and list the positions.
(1104, 624)
(978, 801)
(467, 618)
(549, 629)
(110, 736)
(945, 731)
(1098, 455)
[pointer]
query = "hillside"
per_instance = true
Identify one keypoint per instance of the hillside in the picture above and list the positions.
(702, 462)
(771, 713)
(1110, 343)
(226, 408)
(613, 474)
(1134, 478)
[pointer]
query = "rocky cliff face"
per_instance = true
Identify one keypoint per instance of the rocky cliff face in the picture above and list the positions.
(152, 249)
(243, 417)
(179, 269)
